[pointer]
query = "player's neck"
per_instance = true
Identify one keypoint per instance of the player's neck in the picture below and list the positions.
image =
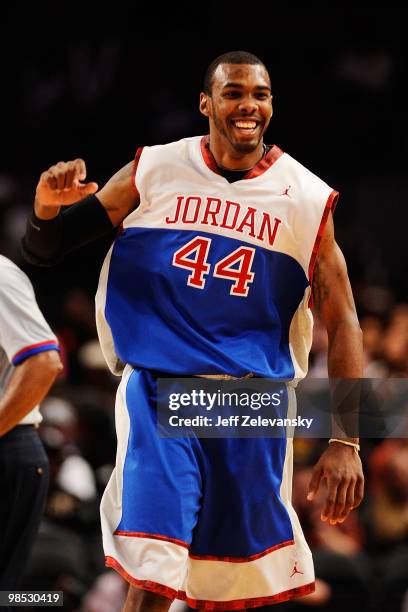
(230, 159)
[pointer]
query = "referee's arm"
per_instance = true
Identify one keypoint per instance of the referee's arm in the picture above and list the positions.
(28, 385)
(27, 343)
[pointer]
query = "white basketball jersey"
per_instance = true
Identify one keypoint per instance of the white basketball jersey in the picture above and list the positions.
(212, 277)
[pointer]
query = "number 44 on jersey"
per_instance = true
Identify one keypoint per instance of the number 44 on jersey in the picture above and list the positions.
(236, 266)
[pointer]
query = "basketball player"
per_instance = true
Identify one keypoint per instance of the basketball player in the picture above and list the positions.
(223, 242)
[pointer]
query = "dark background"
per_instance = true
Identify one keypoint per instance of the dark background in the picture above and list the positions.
(96, 81)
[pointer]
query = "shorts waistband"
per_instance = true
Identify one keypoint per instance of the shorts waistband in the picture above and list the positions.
(157, 374)
(222, 376)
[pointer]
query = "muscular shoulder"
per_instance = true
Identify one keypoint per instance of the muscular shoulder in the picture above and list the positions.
(119, 196)
(122, 179)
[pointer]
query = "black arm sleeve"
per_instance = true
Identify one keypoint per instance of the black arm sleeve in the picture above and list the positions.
(46, 243)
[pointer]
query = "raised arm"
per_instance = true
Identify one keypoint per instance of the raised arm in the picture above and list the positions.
(62, 185)
(52, 233)
(339, 465)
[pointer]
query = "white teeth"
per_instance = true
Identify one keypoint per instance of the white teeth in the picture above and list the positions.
(248, 125)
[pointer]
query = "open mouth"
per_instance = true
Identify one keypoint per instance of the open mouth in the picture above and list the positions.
(246, 126)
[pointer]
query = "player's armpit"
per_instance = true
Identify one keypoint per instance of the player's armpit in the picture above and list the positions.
(119, 196)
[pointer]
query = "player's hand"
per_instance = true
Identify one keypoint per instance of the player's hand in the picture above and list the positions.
(340, 466)
(62, 185)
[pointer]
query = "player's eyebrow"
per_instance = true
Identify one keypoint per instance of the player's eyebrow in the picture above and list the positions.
(240, 85)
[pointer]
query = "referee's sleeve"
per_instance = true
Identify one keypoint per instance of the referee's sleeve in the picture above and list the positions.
(23, 330)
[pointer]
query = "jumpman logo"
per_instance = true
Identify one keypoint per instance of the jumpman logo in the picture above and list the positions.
(295, 570)
(286, 191)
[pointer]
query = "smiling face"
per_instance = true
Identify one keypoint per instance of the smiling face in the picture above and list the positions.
(239, 107)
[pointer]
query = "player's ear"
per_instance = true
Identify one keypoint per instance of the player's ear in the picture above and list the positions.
(204, 104)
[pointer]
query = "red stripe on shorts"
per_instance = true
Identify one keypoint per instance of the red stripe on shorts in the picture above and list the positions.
(146, 585)
(152, 536)
(242, 559)
(242, 604)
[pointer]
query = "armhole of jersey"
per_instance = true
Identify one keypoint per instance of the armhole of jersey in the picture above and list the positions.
(134, 186)
(134, 170)
(330, 206)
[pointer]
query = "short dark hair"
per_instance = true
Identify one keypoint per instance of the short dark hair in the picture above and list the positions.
(232, 57)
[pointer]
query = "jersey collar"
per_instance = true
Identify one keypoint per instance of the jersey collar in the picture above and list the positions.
(266, 162)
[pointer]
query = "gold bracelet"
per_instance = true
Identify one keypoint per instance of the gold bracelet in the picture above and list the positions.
(353, 444)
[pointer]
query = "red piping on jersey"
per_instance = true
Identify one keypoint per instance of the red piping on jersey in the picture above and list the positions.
(32, 346)
(146, 585)
(266, 162)
(330, 206)
(140, 534)
(120, 231)
(134, 169)
(242, 559)
(243, 604)
(207, 155)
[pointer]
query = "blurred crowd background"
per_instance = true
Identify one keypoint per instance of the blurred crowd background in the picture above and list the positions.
(97, 83)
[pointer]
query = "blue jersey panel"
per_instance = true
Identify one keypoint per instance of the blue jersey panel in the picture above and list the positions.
(160, 322)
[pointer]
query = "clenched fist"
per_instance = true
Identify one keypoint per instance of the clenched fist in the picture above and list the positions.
(61, 185)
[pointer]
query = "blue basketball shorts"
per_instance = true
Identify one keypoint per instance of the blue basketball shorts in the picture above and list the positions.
(208, 521)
